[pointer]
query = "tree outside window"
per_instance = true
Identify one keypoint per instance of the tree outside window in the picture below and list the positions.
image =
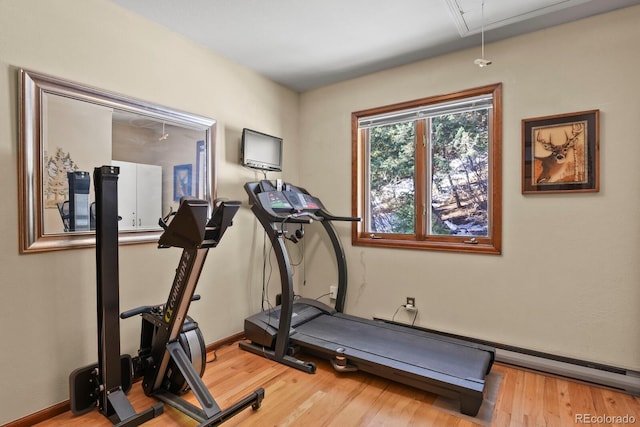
(427, 173)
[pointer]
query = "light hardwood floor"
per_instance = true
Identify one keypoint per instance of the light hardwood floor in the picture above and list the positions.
(328, 398)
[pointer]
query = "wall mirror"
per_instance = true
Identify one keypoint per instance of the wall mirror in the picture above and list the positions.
(67, 130)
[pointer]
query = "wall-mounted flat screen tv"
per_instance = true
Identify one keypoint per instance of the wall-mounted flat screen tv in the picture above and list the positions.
(261, 151)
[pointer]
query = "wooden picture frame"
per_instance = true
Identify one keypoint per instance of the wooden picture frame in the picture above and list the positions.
(560, 153)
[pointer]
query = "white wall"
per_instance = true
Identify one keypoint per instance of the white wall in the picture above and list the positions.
(567, 281)
(48, 300)
(69, 128)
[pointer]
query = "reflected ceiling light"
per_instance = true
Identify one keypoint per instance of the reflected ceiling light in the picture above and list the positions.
(164, 134)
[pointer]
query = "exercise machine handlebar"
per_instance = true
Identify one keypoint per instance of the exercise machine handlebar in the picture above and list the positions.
(147, 309)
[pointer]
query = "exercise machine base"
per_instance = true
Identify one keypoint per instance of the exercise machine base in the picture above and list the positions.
(84, 390)
(253, 400)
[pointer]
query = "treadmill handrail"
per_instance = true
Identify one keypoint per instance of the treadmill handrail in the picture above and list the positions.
(304, 217)
(330, 217)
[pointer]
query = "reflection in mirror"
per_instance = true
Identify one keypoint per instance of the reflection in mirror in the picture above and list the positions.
(67, 130)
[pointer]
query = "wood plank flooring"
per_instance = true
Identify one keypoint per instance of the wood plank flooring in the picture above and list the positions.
(328, 398)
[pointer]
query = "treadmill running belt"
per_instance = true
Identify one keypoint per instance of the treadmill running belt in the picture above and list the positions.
(410, 347)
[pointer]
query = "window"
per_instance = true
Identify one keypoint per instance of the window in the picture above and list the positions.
(427, 173)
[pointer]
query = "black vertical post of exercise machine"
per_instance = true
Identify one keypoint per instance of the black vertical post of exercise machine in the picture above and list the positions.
(113, 402)
(107, 285)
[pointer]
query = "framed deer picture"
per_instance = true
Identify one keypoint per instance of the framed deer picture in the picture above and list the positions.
(561, 153)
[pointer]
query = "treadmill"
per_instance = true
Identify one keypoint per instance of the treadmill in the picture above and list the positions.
(439, 364)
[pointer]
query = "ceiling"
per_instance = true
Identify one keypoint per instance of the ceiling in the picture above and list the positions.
(308, 44)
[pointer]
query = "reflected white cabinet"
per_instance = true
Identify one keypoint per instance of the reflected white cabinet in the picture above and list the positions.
(139, 195)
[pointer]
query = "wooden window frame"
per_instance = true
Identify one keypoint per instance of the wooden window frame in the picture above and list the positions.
(491, 244)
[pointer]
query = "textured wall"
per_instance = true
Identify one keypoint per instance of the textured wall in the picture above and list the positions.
(567, 280)
(49, 298)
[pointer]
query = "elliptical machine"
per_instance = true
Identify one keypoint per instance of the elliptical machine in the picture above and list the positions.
(171, 343)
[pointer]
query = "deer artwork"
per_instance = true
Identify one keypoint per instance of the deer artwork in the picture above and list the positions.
(554, 165)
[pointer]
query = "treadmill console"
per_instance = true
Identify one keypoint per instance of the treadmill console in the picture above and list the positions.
(286, 202)
(302, 201)
(291, 202)
(275, 200)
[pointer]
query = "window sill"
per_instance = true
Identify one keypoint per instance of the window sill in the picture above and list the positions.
(446, 244)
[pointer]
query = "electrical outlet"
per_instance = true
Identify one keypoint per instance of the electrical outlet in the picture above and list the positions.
(333, 292)
(411, 303)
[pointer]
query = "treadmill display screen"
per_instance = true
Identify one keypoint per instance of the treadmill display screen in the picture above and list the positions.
(275, 200)
(301, 201)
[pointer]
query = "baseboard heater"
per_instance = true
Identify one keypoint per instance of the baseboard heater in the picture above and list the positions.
(605, 375)
(622, 379)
